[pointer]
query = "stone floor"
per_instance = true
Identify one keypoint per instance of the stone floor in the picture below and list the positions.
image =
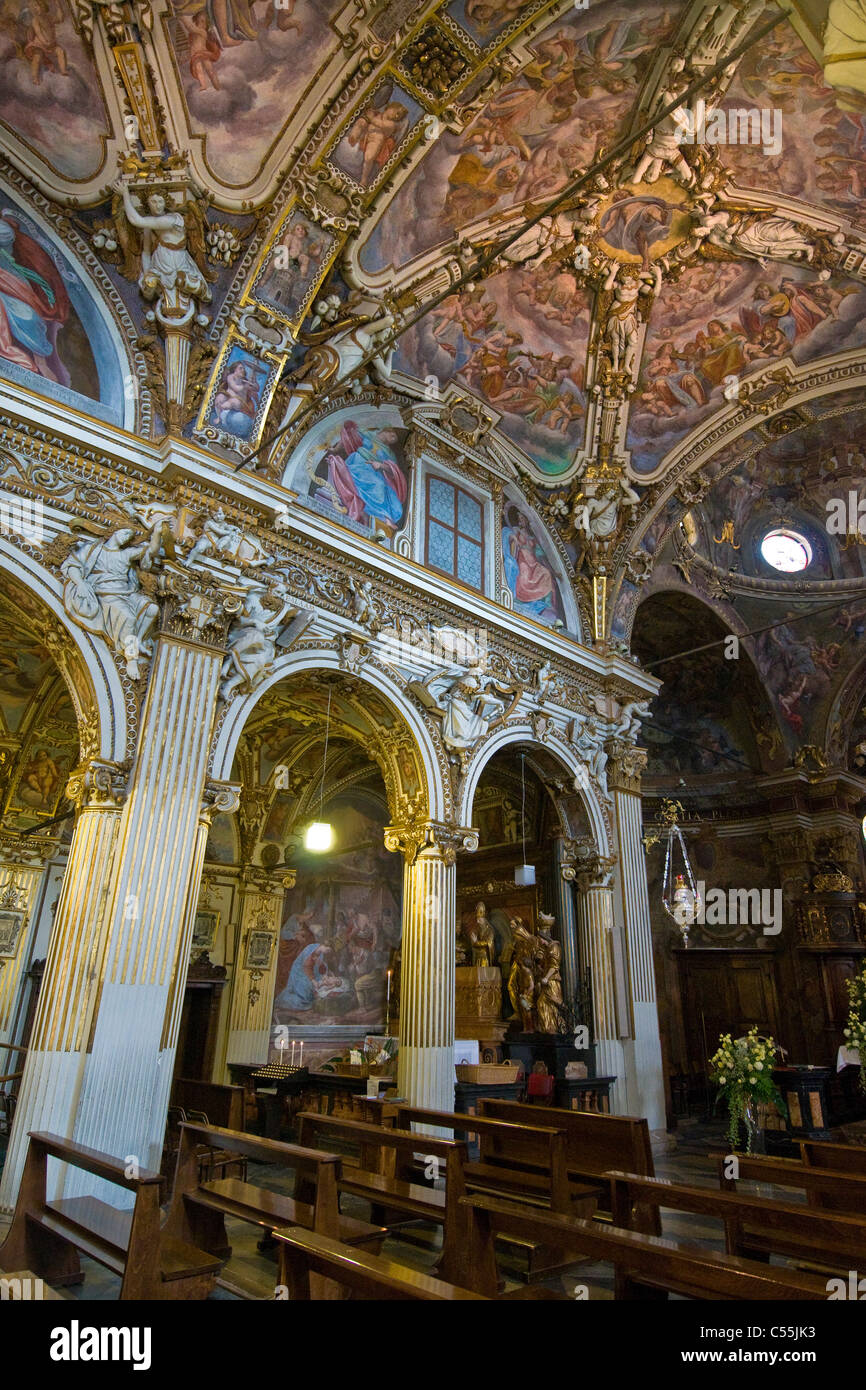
(687, 1160)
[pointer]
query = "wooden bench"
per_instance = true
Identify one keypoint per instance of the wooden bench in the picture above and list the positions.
(46, 1237)
(521, 1160)
(826, 1189)
(385, 1171)
(645, 1266)
(754, 1227)
(303, 1253)
(199, 1206)
(841, 1158)
(593, 1145)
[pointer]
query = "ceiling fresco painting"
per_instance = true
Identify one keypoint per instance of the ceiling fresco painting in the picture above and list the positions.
(527, 142)
(244, 66)
(51, 93)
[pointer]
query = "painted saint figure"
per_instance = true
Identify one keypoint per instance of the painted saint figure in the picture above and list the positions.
(366, 478)
(527, 573)
(34, 304)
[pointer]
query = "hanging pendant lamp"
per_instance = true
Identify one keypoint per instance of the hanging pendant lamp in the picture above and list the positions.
(319, 835)
(524, 874)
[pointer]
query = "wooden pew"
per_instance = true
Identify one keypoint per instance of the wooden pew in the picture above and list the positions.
(199, 1207)
(826, 1189)
(385, 1171)
(754, 1226)
(303, 1253)
(593, 1144)
(645, 1266)
(46, 1237)
(223, 1105)
(524, 1161)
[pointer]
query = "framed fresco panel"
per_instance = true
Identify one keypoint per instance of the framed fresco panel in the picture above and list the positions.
(260, 945)
(11, 926)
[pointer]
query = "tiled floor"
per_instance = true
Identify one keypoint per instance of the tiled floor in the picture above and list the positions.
(687, 1161)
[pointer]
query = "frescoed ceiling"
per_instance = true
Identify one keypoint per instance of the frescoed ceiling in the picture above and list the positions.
(630, 237)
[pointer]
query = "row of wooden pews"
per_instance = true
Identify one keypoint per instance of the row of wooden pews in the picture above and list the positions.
(566, 1184)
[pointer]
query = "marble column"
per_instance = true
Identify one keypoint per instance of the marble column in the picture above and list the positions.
(54, 1067)
(642, 1047)
(566, 916)
(595, 919)
(252, 1001)
(425, 1073)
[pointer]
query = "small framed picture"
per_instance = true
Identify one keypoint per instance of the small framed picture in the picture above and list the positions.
(205, 929)
(260, 944)
(11, 925)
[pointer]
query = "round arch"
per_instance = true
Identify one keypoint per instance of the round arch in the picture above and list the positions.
(93, 679)
(431, 760)
(554, 748)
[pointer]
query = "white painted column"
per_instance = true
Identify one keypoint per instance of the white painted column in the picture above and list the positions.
(595, 918)
(53, 1069)
(643, 1054)
(425, 1071)
(160, 851)
(22, 881)
(252, 1001)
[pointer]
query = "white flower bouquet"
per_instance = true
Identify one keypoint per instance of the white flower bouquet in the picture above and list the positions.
(742, 1068)
(855, 1031)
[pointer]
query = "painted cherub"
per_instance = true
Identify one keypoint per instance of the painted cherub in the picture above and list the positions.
(378, 131)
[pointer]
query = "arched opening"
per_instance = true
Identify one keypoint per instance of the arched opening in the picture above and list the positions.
(322, 929)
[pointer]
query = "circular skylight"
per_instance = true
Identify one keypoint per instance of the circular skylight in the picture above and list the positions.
(787, 551)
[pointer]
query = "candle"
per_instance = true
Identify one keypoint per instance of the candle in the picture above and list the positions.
(388, 998)
(282, 1050)
(293, 1052)
(301, 1058)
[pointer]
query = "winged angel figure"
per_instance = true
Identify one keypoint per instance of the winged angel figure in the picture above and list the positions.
(469, 701)
(163, 250)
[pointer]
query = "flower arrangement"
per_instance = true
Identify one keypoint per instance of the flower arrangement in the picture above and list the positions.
(855, 1032)
(742, 1068)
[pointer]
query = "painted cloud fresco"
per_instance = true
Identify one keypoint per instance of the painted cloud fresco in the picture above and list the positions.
(485, 20)
(762, 313)
(50, 93)
(529, 138)
(244, 66)
(823, 154)
(519, 342)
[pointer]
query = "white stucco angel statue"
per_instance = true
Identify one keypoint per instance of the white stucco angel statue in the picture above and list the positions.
(469, 700)
(160, 249)
(596, 510)
(103, 594)
(629, 721)
(252, 642)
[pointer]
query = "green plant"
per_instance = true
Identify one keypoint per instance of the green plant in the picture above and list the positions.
(855, 1031)
(742, 1068)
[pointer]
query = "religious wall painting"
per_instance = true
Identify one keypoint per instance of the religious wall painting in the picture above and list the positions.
(820, 153)
(238, 398)
(352, 466)
(639, 223)
(204, 929)
(43, 772)
(342, 926)
(531, 136)
(759, 314)
(293, 267)
(377, 135)
(528, 571)
(518, 342)
(53, 338)
(24, 667)
(51, 94)
(12, 923)
(244, 66)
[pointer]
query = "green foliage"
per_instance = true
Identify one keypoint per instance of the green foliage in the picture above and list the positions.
(742, 1068)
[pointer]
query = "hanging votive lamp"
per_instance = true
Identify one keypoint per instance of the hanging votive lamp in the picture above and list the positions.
(319, 835)
(524, 874)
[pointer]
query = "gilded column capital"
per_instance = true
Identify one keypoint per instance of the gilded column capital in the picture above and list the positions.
(594, 871)
(268, 881)
(194, 610)
(219, 798)
(98, 785)
(625, 765)
(412, 837)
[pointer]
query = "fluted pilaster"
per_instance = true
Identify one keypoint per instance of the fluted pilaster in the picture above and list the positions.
(55, 1061)
(127, 1077)
(595, 919)
(566, 915)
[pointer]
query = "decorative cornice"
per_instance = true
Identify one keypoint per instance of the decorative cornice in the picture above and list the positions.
(415, 837)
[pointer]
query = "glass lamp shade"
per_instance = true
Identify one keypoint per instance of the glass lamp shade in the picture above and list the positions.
(524, 875)
(319, 836)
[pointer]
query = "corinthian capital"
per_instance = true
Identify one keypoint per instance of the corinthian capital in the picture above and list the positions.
(596, 872)
(412, 837)
(98, 785)
(625, 765)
